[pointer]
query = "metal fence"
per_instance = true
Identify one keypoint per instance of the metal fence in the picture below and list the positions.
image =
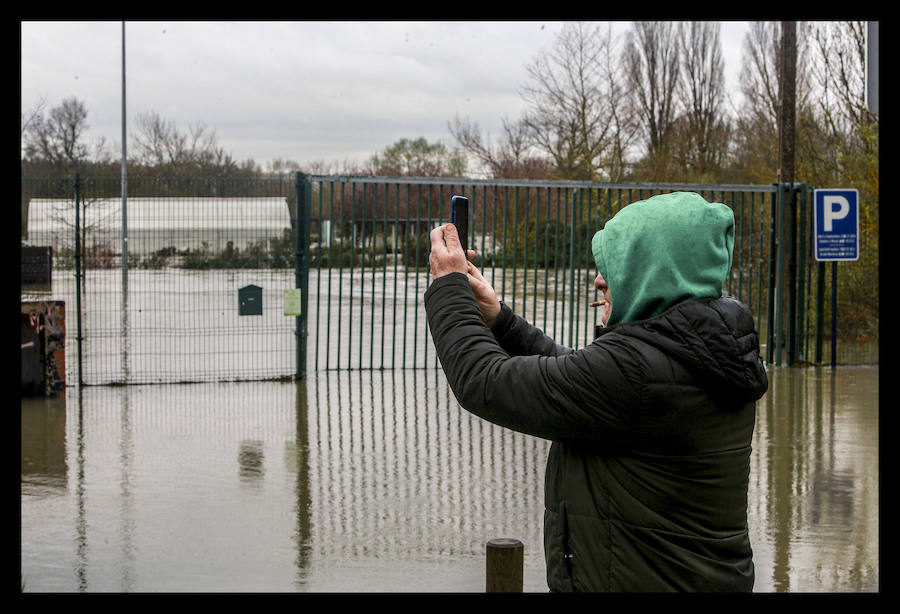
(175, 309)
(532, 241)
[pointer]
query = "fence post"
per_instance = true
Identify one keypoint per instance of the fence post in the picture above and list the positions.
(774, 207)
(572, 273)
(301, 265)
(792, 294)
(504, 565)
(834, 289)
(780, 252)
(789, 242)
(803, 245)
(78, 273)
(820, 310)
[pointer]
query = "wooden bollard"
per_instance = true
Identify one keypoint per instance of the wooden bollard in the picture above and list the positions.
(504, 568)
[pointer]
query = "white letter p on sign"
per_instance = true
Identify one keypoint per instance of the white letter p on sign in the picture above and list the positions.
(830, 213)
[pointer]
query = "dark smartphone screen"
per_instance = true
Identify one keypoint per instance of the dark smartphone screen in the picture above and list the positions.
(459, 217)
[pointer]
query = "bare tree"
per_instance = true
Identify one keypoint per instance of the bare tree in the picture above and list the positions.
(839, 73)
(29, 117)
(760, 70)
(651, 61)
(58, 138)
(158, 142)
(512, 157)
(703, 129)
(758, 123)
(573, 97)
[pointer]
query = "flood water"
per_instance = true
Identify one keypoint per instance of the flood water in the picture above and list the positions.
(373, 481)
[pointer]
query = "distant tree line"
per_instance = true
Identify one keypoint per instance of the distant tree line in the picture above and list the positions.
(646, 105)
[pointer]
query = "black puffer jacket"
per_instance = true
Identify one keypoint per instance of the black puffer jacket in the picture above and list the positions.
(646, 482)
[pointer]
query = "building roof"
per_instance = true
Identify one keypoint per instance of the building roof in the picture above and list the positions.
(193, 213)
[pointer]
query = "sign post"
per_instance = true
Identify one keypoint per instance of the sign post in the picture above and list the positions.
(836, 223)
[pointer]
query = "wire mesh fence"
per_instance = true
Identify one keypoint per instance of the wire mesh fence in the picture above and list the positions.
(169, 312)
(173, 309)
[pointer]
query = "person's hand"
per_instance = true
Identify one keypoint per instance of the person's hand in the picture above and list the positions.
(446, 252)
(485, 295)
(447, 257)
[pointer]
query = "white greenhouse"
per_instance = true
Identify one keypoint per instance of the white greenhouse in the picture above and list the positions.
(159, 223)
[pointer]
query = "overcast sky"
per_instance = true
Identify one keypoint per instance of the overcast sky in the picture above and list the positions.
(303, 91)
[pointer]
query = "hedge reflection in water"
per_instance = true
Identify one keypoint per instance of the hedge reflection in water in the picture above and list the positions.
(378, 481)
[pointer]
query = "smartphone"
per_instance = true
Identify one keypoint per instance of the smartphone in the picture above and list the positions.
(459, 217)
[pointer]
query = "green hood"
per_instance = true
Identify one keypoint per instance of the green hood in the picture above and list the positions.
(662, 251)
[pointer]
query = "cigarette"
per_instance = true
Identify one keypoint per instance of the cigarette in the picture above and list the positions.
(598, 303)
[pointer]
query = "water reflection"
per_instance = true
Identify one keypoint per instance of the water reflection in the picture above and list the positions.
(278, 486)
(420, 467)
(378, 481)
(44, 466)
(127, 511)
(250, 461)
(814, 482)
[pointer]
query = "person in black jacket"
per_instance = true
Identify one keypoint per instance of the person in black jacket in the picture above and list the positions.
(650, 424)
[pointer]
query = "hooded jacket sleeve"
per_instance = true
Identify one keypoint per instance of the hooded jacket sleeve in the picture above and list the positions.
(546, 390)
(519, 338)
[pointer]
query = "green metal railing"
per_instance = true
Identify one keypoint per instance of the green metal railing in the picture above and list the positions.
(357, 248)
(532, 241)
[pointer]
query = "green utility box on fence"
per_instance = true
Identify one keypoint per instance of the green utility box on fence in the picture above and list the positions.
(250, 300)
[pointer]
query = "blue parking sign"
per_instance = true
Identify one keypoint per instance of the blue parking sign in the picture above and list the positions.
(836, 223)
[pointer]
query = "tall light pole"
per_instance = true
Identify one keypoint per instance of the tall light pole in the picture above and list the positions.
(872, 66)
(124, 310)
(124, 172)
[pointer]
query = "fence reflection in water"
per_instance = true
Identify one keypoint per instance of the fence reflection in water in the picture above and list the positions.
(378, 481)
(350, 481)
(814, 481)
